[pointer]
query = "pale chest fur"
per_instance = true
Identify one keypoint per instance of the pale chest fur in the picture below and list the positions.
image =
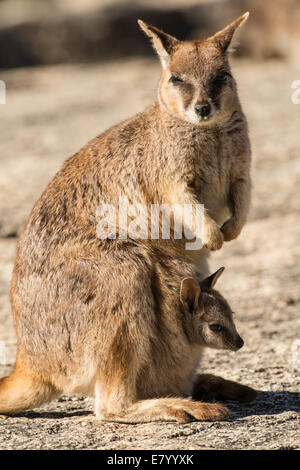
(214, 157)
(212, 167)
(204, 160)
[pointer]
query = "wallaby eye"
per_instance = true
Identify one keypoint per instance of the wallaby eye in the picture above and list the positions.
(216, 328)
(223, 75)
(175, 80)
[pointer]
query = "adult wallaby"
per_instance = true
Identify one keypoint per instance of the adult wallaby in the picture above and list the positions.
(89, 313)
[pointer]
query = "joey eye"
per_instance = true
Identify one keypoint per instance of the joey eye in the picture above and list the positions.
(215, 327)
(175, 80)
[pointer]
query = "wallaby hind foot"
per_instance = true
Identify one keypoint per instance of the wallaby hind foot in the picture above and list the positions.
(211, 387)
(179, 410)
(22, 390)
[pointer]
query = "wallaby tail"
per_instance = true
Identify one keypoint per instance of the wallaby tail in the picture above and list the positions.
(21, 391)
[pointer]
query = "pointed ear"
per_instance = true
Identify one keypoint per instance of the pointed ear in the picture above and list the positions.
(211, 280)
(189, 294)
(224, 37)
(163, 43)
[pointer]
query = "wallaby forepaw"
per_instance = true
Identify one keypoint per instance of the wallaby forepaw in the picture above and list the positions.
(230, 230)
(213, 238)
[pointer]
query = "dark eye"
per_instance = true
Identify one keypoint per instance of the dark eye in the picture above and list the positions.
(223, 75)
(215, 327)
(175, 80)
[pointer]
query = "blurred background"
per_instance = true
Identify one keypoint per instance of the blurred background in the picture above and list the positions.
(72, 68)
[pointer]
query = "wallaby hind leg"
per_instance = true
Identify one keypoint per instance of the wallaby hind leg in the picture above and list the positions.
(180, 410)
(22, 390)
(211, 387)
(117, 403)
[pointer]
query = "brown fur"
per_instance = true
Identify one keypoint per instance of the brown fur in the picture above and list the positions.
(103, 317)
(210, 387)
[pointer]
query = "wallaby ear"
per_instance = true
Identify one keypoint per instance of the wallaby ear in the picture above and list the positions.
(163, 43)
(189, 294)
(210, 281)
(224, 37)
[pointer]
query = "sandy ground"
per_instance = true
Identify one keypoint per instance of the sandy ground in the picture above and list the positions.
(50, 113)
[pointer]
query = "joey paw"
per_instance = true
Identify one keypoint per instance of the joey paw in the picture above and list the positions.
(246, 394)
(235, 391)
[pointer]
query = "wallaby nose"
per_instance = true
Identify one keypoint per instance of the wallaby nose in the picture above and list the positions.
(203, 110)
(239, 342)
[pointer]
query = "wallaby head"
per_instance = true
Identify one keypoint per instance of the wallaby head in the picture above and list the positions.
(196, 82)
(207, 316)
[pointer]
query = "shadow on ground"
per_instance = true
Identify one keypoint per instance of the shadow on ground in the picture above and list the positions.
(267, 403)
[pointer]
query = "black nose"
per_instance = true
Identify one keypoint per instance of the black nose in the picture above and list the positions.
(202, 110)
(239, 342)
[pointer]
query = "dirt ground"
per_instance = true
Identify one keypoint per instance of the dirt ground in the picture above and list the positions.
(53, 111)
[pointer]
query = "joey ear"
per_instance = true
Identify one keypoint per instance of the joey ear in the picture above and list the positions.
(163, 43)
(189, 294)
(224, 37)
(210, 281)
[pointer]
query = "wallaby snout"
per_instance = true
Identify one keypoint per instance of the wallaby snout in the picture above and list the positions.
(203, 110)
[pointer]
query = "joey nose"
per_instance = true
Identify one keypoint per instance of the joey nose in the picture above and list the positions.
(203, 110)
(239, 342)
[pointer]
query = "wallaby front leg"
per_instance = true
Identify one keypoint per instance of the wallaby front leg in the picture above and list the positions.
(239, 202)
(213, 236)
(211, 387)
